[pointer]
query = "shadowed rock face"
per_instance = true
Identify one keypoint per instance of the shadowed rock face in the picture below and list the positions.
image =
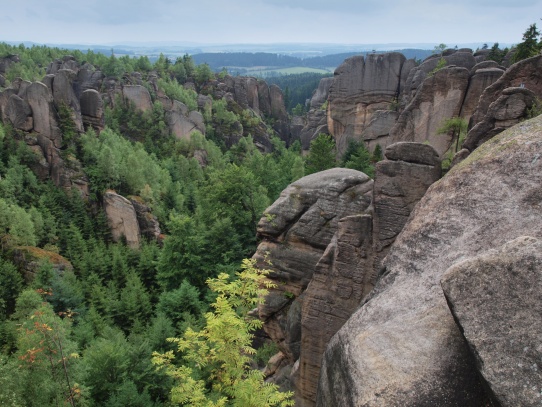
(495, 298)
(324, 250)
(403, 347)
(295, 232)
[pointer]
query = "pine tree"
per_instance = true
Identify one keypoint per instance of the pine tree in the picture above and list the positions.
(530, 45)
(321, 154)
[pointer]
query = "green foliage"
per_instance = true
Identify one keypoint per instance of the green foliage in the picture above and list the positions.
(203, 74)
(358, 157)
(175, 91)
(458, 127)
(440, 64)
(298, 110)
(530, 46)
(321, 154)
(535, 109)
(439, 49)
(216, 360)
(496, 54)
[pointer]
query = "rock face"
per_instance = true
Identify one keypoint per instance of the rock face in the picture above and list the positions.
(122, 219)
(403, 347)
(324, 249)
(343, 276)
(139, 96)
(401, 180)
(505, 102)
(295, 232)
(361, 87)
(495, 298)
(439, 97)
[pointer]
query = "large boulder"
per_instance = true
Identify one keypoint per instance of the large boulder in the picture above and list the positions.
(403, 347)
(122, 218)
(511, 107)
(139, 96)
(92, 109)
(439, 97)
(480, 79)
(295, 231)
(19, 113)
(495, 298)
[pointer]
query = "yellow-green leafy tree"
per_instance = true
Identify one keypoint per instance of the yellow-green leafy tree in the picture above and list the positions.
(215, 369)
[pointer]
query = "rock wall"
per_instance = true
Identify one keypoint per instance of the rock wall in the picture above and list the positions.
(403, 346)
(324, 240)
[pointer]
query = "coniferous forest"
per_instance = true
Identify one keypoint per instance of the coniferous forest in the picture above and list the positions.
(85, 319)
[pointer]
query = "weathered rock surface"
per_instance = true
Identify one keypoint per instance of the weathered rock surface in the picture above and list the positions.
(64, 95)
(295, 231)
(439, 97)
(480, 79)
(19, 113)
(122, 218)
(148, 223)
(523, 74)
(92, 109)
(495, 298)
(321, 94)
(401, 180)
(403, 347)
(139, 96)
(182, 123)
(342, 277)
(361, 87)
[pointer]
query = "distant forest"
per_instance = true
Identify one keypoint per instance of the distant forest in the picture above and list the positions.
(220, 60)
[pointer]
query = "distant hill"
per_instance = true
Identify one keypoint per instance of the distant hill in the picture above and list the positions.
(238, 60)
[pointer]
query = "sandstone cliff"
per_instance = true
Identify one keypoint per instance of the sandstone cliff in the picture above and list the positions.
(383, 98)
(324, 238)
(403, 346)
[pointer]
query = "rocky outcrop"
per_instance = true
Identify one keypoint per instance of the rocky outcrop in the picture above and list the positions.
(321, 93)
(295, 232)
(122, 219)
(30, 260)
(182, 122)
(495, 299)
(19, 113)
(483, 75)
(403, 347)
(139, 96)
(148, 223)
(505, 102)
(362, 86)
(92, 109)
(343, 276)
(510, 108)
(401, 180)
(439, 97)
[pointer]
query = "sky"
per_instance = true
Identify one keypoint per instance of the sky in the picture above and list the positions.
(111, 22)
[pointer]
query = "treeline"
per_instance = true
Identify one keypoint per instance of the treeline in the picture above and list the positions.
(239, 60)
(297, 89)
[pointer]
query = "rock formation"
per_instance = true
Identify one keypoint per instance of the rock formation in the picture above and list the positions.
(295, 231)
(122, 219)
(505, 102)
(361, 87)
(403, 347)
(495, 299)
(324, 243)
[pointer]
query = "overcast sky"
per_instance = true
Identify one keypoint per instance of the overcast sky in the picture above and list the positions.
(268, 21)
